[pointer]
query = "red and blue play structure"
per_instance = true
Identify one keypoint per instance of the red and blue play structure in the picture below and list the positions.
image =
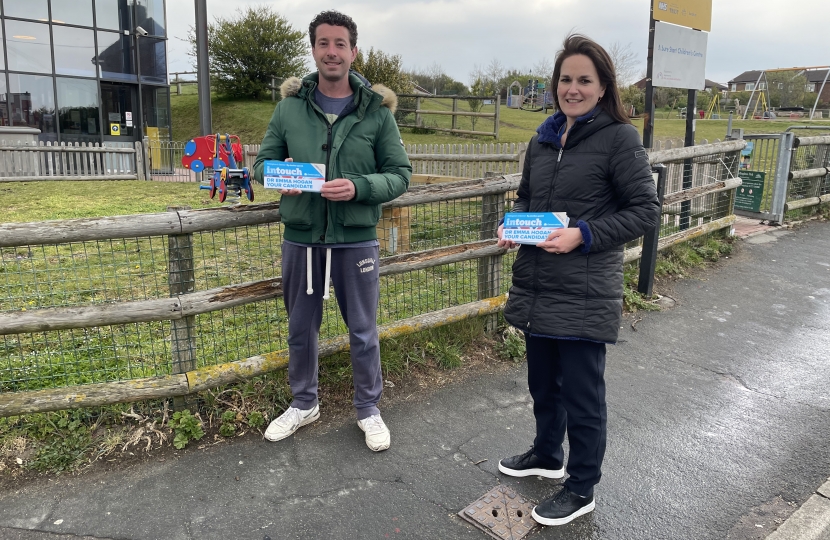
(223, 152)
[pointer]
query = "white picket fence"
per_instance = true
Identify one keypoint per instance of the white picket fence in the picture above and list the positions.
(78, 161)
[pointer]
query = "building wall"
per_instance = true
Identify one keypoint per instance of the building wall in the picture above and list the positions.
(58, 55)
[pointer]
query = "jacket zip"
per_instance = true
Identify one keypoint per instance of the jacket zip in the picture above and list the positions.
(536, 265)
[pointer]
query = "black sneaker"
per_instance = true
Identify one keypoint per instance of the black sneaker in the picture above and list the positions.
(562, 508)
(528, 464)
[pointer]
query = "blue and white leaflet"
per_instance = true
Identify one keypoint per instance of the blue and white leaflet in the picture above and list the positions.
(293, 175)
(532, 227)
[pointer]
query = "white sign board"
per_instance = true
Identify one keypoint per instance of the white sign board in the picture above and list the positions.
(679, 57)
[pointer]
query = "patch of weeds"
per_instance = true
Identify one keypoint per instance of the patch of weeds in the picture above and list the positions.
(186, 427)
(447, 355)
(66, 440)
(228, 427)
(713, 248)
(256, 419)
(512, 344)
(632, 300)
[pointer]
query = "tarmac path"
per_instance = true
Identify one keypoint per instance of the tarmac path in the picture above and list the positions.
(718, 417)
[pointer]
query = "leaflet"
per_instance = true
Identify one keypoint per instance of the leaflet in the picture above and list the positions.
(293, 175)
(532, 227)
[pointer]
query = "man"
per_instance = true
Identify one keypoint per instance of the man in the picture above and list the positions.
(332, 117)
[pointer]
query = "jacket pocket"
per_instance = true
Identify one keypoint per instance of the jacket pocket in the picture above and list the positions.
(296, 211)
(360, 215)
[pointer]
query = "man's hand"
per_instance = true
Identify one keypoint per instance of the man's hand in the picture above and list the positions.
(290, 192)
(562, 240)
(509, 244)
(339, 189)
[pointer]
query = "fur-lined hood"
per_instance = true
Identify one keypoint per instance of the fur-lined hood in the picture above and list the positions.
(292, 85)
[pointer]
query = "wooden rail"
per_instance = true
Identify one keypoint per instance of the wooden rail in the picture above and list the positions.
(182, 304)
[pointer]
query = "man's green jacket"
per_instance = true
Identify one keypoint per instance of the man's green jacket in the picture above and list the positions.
(363, 145)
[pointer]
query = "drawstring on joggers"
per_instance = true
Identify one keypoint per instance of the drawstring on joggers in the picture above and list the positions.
(309, 288)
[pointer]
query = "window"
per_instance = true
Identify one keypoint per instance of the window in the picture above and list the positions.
(32, 103)
(37, 10)
(762, 86)
(78, 110)
(780, 86)
(810, 87)
(153, 61)
(114, 14)
(749, 86)
(149, 14)
(74, 51)
(28, 46)
(115, 56)
(734, 87)
(72, 12)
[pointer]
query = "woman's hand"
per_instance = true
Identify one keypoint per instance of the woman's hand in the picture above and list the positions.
(290, 191)
(562, 240)
(508, 244)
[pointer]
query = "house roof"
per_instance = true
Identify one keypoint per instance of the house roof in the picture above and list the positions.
(747, 76)
(814, 75)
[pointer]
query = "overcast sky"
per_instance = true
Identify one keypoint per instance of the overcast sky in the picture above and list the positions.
(458, 34)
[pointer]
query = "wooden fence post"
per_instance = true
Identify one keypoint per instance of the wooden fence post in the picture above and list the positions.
(417, 114)
(489, 268)
(498, 107)
(139, 160)
(455, 110)
(182, 281)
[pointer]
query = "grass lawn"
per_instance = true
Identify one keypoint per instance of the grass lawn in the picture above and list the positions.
(249, 119)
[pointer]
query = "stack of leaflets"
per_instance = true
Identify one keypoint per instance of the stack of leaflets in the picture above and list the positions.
(532, 227)
(293, 175)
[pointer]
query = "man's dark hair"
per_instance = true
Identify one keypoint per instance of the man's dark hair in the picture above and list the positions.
(579, 44)
(333, 18)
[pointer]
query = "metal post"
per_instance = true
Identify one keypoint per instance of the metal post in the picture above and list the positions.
(648, 122)
(140, 123)
(648, 257)
(203, 69)
(691, 119)
(782, 174)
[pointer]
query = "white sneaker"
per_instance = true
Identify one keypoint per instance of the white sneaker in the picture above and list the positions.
(377, 434)
(290, 421)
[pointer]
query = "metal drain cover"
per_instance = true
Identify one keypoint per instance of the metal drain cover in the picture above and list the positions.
(502, 513)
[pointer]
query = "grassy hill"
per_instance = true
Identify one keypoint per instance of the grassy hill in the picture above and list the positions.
(249, 119)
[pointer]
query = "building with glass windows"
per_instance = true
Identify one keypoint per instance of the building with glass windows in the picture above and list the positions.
(80, 71)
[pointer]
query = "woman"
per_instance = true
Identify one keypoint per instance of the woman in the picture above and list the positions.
(586, 160)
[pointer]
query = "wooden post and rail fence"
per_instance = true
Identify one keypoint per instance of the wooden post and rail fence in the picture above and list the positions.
(184, 303)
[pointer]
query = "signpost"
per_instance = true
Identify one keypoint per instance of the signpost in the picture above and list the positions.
(695, 14)
(677, 59)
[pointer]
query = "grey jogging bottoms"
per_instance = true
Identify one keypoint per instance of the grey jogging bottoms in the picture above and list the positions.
(356, 279)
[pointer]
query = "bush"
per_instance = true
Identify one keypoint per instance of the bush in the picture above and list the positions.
(247, 51)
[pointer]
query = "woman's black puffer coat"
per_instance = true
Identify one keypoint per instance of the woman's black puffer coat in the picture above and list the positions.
(602, 180)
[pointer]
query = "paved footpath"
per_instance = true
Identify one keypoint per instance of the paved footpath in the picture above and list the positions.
(719, 422)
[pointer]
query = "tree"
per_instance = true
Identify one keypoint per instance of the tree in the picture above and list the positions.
(625, 62)
(786, 88)
(543, 69)
(382, 68)
(495, 73)
(246, 51)
(479, 88)
(631, 96)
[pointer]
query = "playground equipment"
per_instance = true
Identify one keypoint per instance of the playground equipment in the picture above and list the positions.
(713, 110)
(535, 97)
(223, 152)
